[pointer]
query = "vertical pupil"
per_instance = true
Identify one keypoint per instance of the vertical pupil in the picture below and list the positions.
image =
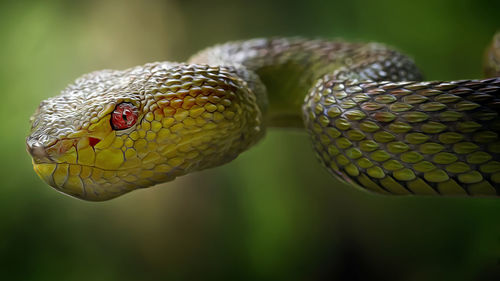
(124, 115)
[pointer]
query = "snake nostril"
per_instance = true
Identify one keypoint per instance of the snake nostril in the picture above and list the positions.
(36, 150)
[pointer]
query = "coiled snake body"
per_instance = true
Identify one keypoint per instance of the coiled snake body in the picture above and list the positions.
(111, 132)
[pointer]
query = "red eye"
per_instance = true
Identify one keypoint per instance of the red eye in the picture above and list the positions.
(124, 116)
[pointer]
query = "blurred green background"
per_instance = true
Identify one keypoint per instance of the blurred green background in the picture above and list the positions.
(273, 213)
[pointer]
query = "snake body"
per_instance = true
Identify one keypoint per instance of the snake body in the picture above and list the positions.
(370, 124)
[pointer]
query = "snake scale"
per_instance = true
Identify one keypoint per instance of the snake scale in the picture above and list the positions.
(372, 122)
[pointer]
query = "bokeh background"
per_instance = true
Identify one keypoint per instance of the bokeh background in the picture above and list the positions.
(273, 213)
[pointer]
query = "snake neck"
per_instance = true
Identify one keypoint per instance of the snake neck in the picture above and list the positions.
(281, 71)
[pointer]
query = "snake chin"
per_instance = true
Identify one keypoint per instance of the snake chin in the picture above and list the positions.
(86, 182)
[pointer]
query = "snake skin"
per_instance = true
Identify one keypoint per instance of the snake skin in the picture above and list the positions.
(409, 137)
(375, 132)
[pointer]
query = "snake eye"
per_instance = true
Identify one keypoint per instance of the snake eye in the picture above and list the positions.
(124, 116)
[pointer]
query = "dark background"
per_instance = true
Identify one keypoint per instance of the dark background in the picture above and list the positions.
(273, 213)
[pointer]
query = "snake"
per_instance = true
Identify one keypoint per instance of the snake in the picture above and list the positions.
(373, 122)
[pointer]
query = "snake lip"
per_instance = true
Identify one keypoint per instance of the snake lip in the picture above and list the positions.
(89, 166)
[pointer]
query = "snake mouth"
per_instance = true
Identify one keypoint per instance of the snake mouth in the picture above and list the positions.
(87, 166)
(83, 181)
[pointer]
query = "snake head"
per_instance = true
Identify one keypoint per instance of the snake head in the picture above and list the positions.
(111, 131)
